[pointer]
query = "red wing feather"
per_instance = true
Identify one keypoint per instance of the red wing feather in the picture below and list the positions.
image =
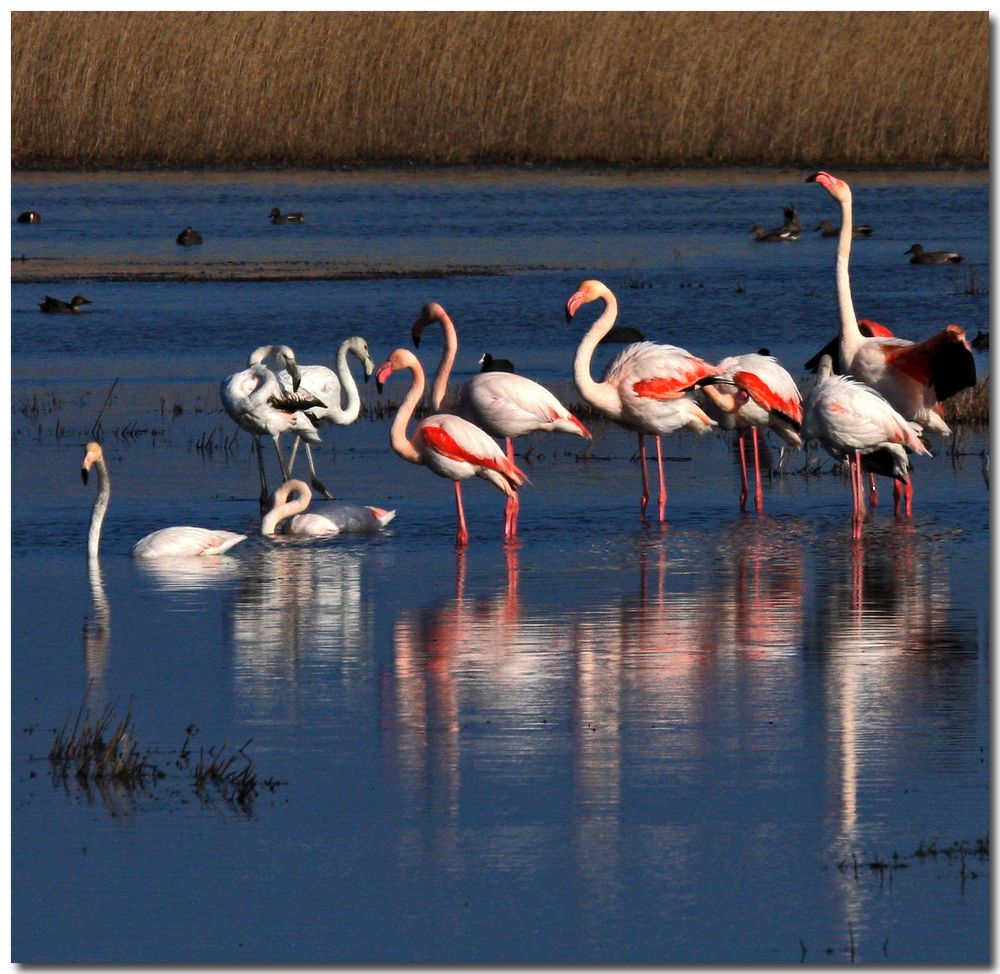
(766, 397)
(443, 443)
(674, 386)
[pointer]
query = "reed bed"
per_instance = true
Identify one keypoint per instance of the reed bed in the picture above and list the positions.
(232, 89)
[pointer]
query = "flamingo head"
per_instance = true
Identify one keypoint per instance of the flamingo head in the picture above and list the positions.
(359, 348)
(837, 188)
(588, 291)
(429, 313)
(92, 454)
(285, 357)
(400, 359)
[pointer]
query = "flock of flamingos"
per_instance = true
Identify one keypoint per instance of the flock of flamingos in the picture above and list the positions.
(874, 397)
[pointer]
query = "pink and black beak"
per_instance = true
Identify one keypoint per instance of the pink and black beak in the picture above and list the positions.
(383, 373)
(573, 304)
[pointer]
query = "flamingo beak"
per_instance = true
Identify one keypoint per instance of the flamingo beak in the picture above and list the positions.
(573, 304)
(812, 178)
(418, 330)
(383, 373)
(369, 368)
(84, 472)
(293, 371)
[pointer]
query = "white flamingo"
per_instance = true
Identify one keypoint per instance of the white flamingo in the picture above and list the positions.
(502, 403)
(447, 445)
(256, 401)
(167, 542)
(328, 520)
(337, 392)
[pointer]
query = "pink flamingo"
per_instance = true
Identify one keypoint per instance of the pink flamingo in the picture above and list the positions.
(502, 403)
(764, 395)
(328, 520)
(853, 420)
(447, 445)
(646, 388)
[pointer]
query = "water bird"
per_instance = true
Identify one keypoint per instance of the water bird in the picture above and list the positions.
(54, 306)
(278, 217)
(447, 445)
(29, 216)
(499, 402)
(915, 377)
(921, 256)
(325, 522)
(982, 341)
(829, 230)
(775, 235)
(172, 542)
(257, 402)
(647, 388)
(336, 394)
(188, 237)
(490, 364)
(622, 335)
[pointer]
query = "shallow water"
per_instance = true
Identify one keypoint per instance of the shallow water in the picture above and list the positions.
(610, 742)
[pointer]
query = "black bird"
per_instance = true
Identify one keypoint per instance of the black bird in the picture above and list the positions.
(622, 335)
(982, 341)
(29, 216)
(491, 364)
(921, 256)
(829, 230)
(188, 237)
(278, 217)
(55, 306)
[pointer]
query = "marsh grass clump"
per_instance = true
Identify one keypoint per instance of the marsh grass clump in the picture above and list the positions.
(971, 405)
(232, 775)
(100, 750)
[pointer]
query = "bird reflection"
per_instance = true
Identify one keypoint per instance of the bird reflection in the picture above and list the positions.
(188, 574)
(96, 632)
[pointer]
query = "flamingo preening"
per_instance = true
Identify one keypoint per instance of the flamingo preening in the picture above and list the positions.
(447, 445)
(256, 401)
(501, 403)
(328, 520)
(647, 388)
(167, 542)
(336, 393)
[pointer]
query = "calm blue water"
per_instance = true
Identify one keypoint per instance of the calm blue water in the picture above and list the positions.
(610, 742)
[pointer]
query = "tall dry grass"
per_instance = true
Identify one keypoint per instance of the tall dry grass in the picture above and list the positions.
(313, 89)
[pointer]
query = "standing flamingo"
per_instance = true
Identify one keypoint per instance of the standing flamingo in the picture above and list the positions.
(852, 420)
(328, 520)
(502, 403)
(764, 395)
(449, 446)
(167, 542)
(255, 400)
(646, 388)
(331, 389)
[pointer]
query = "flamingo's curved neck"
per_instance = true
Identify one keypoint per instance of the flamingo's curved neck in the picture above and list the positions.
(397, 434)
(850, 335)
(598, 394)
(345, 412)
(284, 508)
(439, 388)
(100, 507)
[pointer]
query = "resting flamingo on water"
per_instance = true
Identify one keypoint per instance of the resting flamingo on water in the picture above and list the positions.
(337, 395)
(447, 445)
(167, 542)
(328, 520)
(647, 387)
(501, 403)
(758, 393)
(256, 401)
(852, 420)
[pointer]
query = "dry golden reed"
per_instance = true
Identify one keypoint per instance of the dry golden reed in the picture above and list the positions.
(233, 89)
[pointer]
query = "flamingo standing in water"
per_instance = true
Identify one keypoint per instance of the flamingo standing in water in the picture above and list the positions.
(256, 401)
(337, 395)
(853, 420)
(502, 403)
(167, 542)
(763, 395)
(449, 446)
(647, 388)
(329, 520)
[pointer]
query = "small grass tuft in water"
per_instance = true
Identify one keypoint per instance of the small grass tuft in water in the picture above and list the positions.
(971, 405)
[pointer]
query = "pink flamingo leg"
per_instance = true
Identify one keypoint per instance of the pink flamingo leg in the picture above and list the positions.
(462, 537)
(873, 497)
(909, 498)
(644, 500)
(897, 497)
(859, 488)
(513, 506)
(758, 497)
(662, 499)
(745, 486)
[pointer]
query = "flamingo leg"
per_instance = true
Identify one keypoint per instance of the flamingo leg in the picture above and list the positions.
(263, 476)
(291, 459)
(758, 496)
(897, 497)
(873, 496)
(662, 499)
(513, 506)
(909, 498)
(857, 484)
(462, 537)
(281, 460)
(745, 487)
(316, 482)
(644, 500)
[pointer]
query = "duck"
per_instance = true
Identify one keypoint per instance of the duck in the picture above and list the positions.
(278, 217)
(829, 230)
(921, 256)
(490, 364)
(188, 237)
(776, 235)
(29, 216)
(981, 342)
(55, 306)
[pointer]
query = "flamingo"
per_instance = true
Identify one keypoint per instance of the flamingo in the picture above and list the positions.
(447, 445)
(913, 376)
(647, 387)
(765, 395)
(853, 420)
(331, 389)
(330, 520)
(167, 542)
(501, 403)
(255, 400)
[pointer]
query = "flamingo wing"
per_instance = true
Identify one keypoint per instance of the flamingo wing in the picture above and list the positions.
(180, 542)
(944, 361)
(505, 404)
(460, 441)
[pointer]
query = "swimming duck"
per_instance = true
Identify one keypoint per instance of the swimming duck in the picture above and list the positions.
(491, 364)
(188, 237)
(54, 305)
(773, 236)
(29, 216)
(278, 217)
(921, 256)
(829, 230)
